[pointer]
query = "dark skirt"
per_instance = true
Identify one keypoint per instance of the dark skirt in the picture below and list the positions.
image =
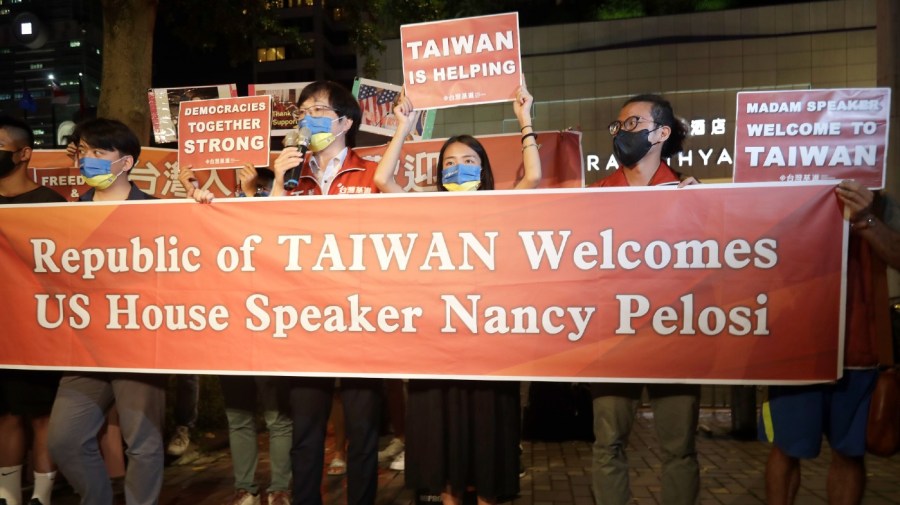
(463, 433)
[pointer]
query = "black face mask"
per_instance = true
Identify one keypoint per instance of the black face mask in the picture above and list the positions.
(631, 147)
(7, 165)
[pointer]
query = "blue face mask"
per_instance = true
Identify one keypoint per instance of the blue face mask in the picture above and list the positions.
(97, 172)
(320, 132)
(461, 177)
(316, 124)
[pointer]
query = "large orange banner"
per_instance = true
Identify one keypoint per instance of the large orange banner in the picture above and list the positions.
(704, 284)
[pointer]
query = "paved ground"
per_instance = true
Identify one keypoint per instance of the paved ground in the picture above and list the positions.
(559, 473)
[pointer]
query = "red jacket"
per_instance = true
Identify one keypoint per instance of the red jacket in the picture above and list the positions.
(356, 176)
(663, 175)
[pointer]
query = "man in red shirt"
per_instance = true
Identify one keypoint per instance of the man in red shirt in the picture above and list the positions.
(332, 115)
(645, 132)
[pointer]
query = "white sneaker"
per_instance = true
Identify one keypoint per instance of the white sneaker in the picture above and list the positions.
(399, 462)
(394, 448)
(179, 442)
(243, 497)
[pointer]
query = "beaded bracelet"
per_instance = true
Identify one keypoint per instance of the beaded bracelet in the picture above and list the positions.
(531, 145)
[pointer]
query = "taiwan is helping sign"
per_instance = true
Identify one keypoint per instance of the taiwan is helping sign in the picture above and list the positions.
(809, 135)
(224, 133)
(461, 61)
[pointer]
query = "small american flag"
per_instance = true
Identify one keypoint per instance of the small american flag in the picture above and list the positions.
(376, 104)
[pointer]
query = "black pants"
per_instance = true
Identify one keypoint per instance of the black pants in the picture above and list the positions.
(310, 402)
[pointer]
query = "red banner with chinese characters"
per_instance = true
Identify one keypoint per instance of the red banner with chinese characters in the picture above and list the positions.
(157, 169)
(461, 61)
(704, 284)
(811, 135)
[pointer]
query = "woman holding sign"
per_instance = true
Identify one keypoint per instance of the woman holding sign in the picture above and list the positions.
(463, 435)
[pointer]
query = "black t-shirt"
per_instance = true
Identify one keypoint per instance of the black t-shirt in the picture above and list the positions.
(40, 194)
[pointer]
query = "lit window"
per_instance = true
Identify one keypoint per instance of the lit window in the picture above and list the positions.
(25, 29)
(74, 43)
(270, 54)
(36, 66)
(4, 12)
(38, 131)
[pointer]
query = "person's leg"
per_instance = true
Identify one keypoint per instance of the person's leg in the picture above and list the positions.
(187, 398)
(272, 396)
(782, 477)
(25, 397)
(310, 404)
(77, 416)
(362, 413)
(676, 411)
(846, 479)
(12, 455)
(615, 406)
(396, 403)
(240, 395)
(141, 403)
(40, 452)
(791, 419)
(848, 415)
(44, 469)
(338, 465)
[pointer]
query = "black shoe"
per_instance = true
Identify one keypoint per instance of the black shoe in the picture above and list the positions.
(33, 501)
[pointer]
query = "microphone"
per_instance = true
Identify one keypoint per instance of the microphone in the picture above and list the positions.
(300, 140)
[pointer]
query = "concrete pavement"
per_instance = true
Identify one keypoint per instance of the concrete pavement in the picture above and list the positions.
(558, 473)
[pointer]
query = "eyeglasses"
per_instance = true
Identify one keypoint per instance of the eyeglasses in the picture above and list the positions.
(628, 125)
(313, 111)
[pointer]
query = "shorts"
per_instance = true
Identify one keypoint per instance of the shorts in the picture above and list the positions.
(28, 392)
(795, 417)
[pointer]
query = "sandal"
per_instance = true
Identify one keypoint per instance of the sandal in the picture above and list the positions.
(337, 467)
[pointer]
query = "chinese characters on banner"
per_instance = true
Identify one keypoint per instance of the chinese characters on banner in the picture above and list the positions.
(157, 170)
(461, 61)
(811, 135)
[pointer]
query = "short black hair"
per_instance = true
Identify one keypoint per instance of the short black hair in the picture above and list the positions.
(341, 100)
(18, 130)
(663, 115)
(108, 134)
(487, 176)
